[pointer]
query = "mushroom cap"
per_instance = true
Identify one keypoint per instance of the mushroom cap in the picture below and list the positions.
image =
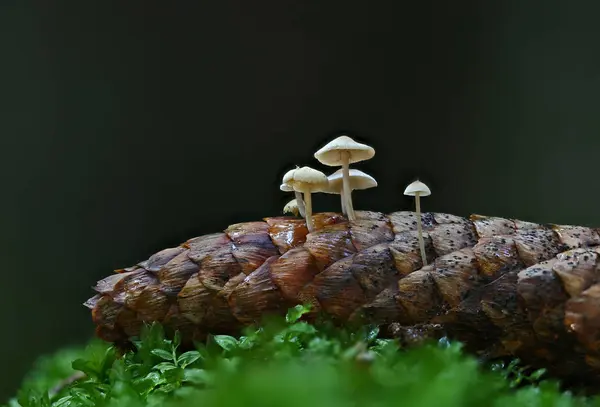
(330, 154)
(287, 180)
(291, 207)
(419, 187)
(288, 176)
(286, 188)
(358, 180)
(307, 179)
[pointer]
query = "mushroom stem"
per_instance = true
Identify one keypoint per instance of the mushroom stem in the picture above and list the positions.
(343, 201)
(346, 182)
(308, 207)
(300, 203)
(420, 228)
(351, 203)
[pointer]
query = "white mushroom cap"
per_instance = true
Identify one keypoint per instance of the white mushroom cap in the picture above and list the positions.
(330, 153)
(358, 180)
(419, 187)
(286, 188)
(307, 179)
(288, 180)
(289, 176)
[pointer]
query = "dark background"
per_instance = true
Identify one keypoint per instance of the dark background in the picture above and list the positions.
(130, 126)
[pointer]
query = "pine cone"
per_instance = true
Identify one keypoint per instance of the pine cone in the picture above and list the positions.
(504, 287)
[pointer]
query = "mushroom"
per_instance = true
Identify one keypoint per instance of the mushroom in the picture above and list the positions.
(358, 180)
(286, 186)
(419, 189)
(344, 151)
(291, 207)
(308, 180)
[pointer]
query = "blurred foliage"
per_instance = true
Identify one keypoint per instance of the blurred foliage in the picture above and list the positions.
(284, 362)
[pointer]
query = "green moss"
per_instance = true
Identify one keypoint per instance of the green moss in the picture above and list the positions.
(284, 363)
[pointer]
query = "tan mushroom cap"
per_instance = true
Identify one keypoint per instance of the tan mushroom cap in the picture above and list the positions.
(358, 180)
(291, 207)
(307, 179)
(330, 154)
(419, 187)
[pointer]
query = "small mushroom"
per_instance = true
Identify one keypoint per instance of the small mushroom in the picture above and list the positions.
(344, 151)
(308, 180)
(358, 180)
(286, 186)
(419, 189)
(291, 207)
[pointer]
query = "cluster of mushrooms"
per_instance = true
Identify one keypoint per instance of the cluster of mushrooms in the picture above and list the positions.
(341, 152)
